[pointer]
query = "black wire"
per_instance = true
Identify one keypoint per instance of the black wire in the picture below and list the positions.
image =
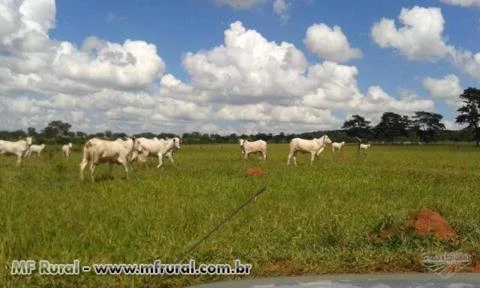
(260, 191)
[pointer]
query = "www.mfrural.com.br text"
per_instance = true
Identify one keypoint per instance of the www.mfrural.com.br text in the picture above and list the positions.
(47, 268)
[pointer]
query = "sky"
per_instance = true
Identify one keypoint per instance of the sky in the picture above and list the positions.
(232, 66)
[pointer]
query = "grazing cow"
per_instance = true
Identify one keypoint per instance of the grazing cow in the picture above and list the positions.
(259, 146)
(66, 149)
(144, 147)
(364, 146)
(314, 147)
(98, 151)
(18, 148)
(337, 146)
(36, 149)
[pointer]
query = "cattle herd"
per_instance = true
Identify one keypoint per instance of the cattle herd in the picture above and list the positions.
(122, 151)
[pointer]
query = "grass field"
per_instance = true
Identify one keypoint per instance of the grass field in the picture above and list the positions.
(310, 220)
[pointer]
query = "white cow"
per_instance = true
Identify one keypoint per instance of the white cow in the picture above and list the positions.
(17, 148)
(364, 146)
(161, 147)
(314, 147)
(169, 154)
(98, 151)
(67, 149)
(259, 146)
(337, 146)
(35, 149)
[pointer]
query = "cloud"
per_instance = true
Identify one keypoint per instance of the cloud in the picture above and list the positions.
(330, 43)
(240, 4)
(420, 36)
(114, 18)
(468, 62)
(463, 3)
(280, 7)
(447, 89)
(248, 68)
(133, 64)
(246, 83)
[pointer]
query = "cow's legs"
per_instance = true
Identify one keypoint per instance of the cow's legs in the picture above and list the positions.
(246, 155)
(92, 171)
(169, 155)
(160, 160)
(19, 160)
(82, 167)
(125, 166)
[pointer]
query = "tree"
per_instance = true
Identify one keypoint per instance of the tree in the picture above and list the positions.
(57, 129)
(469, 112)
(357, 127)
(392, 126)
(31, 131)
(427, 125)
(81, 135)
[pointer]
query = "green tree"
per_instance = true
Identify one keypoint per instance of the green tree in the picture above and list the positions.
(392, 126)
(31, 131)
(57, 129)
(357, 127)
(469, 113)
(427, 125)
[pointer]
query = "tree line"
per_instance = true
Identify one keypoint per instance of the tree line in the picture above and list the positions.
(423, 126)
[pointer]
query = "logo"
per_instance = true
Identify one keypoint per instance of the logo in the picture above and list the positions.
(446, 264)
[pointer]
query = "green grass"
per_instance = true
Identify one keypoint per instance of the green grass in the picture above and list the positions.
(310, 220)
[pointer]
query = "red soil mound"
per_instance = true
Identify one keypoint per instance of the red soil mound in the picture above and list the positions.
(254, 171)
(428, 222)
(476, 266)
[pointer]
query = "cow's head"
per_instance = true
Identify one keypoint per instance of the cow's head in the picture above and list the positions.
(29, 141)
(326, 139)
(241, 141)
(176, 142)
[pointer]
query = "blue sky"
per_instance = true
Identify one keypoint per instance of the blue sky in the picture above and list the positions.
(72, 62)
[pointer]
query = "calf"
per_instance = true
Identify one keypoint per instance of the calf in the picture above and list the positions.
(67, 149)
(337, 146)
(35, 149)
(364, 146)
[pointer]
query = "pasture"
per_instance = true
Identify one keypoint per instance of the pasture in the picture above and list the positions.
(310, 220)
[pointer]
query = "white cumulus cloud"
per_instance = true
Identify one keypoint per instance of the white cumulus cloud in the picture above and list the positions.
(418, 38)
(330, 43)
(240, 4)
(447, 88)
(246, 83)
(463, 3)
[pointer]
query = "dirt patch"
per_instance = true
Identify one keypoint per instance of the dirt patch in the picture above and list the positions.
(384, 234)
(429, 222)
(281, 267)
(476, 266)
(254, 171)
